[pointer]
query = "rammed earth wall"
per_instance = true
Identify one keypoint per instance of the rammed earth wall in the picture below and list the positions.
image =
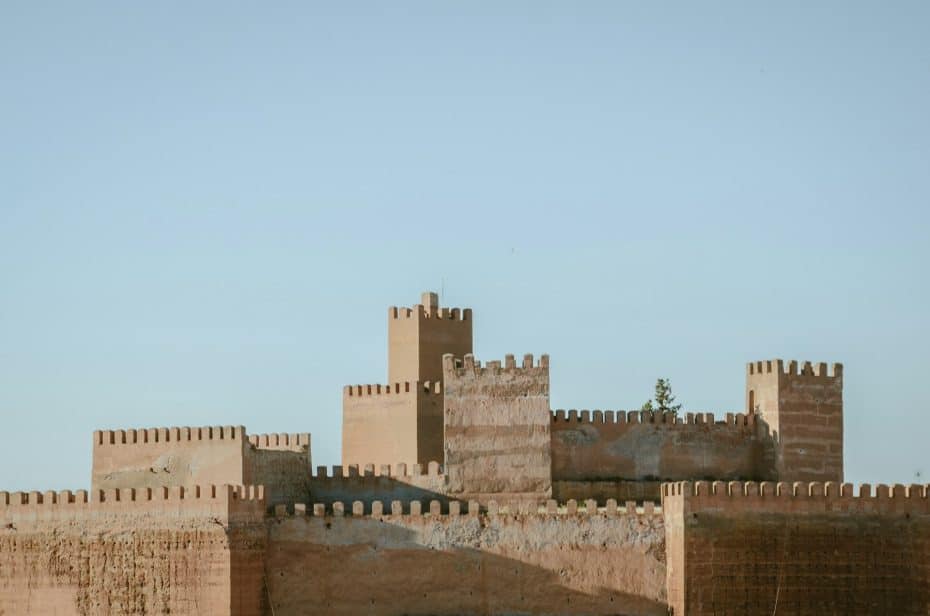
(437, 563)
(651, 447)
(803, 548)
(145, 551)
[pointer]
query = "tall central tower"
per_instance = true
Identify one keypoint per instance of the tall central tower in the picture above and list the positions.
(418, 337)
(403, 420)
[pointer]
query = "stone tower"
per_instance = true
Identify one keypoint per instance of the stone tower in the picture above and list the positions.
(804, 412)
(418, 337)
(403, 420)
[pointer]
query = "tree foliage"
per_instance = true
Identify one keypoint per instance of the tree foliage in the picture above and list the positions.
(664, 401)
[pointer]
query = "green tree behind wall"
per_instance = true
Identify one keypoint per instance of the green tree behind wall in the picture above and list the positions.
(664, 401)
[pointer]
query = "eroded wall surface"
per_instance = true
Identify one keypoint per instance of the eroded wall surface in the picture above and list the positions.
(638, 446)
(61, 553)
(467, 564)
(497, 437)
(797, 549)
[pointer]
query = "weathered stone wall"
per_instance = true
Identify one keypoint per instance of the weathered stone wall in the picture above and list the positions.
(639, 446)
(503, 563)
(806, 548)
(282, 463)
(168, 457)
(497, 438)
(128, 552)
(804, 412)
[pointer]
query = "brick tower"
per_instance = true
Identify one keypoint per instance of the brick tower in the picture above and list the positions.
(403, 420)
(804, 412)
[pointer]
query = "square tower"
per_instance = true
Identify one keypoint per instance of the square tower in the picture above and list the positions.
(804, 411)
(402, 420)
(418, 337)
(497, 428)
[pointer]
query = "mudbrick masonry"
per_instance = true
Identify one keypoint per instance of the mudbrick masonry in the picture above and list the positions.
(461, 491)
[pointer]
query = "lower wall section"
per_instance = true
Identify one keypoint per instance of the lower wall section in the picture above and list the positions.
(107, 570)
(801, 549)
(464, 564)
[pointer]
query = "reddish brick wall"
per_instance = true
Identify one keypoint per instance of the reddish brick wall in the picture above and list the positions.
(636, 446)
(806, 548)
(803, 409)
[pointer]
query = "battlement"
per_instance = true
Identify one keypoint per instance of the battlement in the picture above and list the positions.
(431, 469)
(454, 508)
(299, 441)
(469, 366)
(648, 417)
(168, 435)
(425, 387)
(421, 312)
(807, 369)
(801, 496)
(223, 502)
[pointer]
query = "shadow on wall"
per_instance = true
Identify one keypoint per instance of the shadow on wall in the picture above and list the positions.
(342, 565)
(386, 487)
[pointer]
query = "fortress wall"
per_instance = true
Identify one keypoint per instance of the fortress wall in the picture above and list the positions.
(461, 563)
(282, 463)
(813, 548)
(497, 427)
(372, 483)
(643, 446)
(601, 491)
(168, 457)
(167, 551)
(390, 424)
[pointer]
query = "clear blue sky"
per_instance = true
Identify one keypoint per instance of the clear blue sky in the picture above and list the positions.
(205, 209)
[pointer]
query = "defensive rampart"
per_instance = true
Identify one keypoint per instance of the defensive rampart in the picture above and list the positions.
(411, 558)
(372, 483)
(154, 457)
(797, 548)
(190, 456)
(131, 551)
(595, 450)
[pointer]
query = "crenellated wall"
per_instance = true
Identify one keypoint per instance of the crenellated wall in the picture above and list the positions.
(370, 483)
(388, 424)
(497, 438)
(623, 447)
(132, 551)
(154, 457)
(282, 463)
(417, 558)
(797, 548)
(188, 456)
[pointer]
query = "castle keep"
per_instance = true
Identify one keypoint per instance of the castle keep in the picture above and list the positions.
(461, 491)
